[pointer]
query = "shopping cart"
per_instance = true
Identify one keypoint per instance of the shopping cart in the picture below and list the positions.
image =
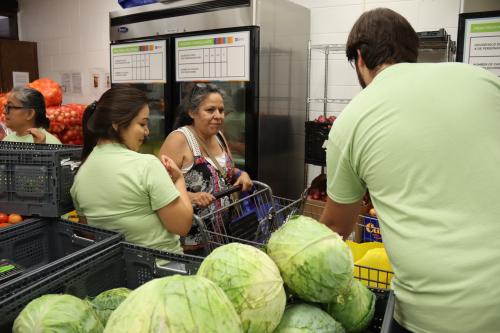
(248, 219)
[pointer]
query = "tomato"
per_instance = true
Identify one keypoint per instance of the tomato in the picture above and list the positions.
(4, 218)
(4, 225)
(15, 218)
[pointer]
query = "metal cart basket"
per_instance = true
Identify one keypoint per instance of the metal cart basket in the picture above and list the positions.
(248, 219)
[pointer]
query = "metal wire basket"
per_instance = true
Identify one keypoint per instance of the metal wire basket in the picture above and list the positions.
(249, 219)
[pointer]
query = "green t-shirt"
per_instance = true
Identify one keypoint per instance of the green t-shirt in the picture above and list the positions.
(121, 190)
(28, 138)
(425, 140)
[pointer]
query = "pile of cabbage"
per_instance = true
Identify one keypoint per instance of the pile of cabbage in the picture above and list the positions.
(303, 282)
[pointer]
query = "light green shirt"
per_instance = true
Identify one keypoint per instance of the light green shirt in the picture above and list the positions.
(28, 138)
(425, 140)
(121, 190)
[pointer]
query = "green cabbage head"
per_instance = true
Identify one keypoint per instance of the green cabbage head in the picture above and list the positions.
(57, 314)
(176, 304)
(314, 261)
(107, 301)
(252, 282)
(355, 309)
(306, 318)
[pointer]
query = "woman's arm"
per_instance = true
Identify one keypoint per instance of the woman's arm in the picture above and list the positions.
(201, 199)
(242, 178)
(177, 216)
(177, 148)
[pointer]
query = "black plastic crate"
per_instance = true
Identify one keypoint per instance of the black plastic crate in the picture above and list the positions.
(384, 309)
(316, 135)
(35, 179)
(388, 322)
(41, 244)
(120, 265)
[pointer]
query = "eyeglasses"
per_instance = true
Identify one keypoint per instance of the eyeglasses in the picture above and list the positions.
(202, 86)
(352, 62)
(8, 108)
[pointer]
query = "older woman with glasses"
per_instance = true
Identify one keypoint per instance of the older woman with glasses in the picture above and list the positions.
(200, 150)
(25, 116)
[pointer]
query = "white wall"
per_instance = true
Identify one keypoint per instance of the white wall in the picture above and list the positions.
(72, 35)
(331, 21)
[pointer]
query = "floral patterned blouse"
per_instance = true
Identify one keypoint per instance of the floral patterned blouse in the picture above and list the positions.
(203, 176)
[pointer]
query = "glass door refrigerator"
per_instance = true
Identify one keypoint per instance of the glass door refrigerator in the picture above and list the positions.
(229, 60)
(167, 68)
(145, 64)
(249, 49)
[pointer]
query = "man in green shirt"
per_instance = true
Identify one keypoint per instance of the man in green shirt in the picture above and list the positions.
(25, 116)
(424, 139)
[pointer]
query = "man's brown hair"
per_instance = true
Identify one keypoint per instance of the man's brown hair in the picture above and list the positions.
(383, 37)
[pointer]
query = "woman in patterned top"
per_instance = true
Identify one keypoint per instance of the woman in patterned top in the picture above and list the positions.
(199, 149)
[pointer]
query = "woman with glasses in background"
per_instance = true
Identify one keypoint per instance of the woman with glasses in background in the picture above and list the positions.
(25, 116)
(200, 150)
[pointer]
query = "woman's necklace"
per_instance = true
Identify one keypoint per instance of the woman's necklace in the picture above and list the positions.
(201, 142)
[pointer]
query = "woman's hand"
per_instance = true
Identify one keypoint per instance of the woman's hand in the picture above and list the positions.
(172, 168)
(201, 199)
(245, 181)
(38, 136)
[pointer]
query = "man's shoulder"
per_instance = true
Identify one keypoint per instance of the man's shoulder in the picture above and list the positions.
(452, 68)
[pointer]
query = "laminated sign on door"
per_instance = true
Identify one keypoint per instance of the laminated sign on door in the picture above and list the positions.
(215, 57)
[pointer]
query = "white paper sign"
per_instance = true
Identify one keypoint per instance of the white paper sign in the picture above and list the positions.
(71, 82)
(20, 79)
(139, 62)
(215, 57)
(66, 82)
(482, 43)
(76, 83)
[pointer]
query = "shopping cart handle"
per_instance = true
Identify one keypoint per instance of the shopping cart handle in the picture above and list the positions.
(228, 191)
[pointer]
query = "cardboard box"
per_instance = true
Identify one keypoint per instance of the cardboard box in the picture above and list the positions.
(370, 229)
(313, 208)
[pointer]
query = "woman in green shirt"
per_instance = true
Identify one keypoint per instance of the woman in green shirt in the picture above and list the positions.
(25, 116)
(120, 189)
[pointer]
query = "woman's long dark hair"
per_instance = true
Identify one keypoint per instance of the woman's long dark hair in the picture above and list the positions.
(118, 105)
(32, 99)
(192, 102)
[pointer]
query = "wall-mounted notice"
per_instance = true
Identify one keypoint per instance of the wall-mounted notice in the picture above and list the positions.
(20, 79)
(139, 62)
(215, 57)
(481, 42)
(71, 82)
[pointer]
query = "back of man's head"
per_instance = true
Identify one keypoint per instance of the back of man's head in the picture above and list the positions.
(383, 37)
